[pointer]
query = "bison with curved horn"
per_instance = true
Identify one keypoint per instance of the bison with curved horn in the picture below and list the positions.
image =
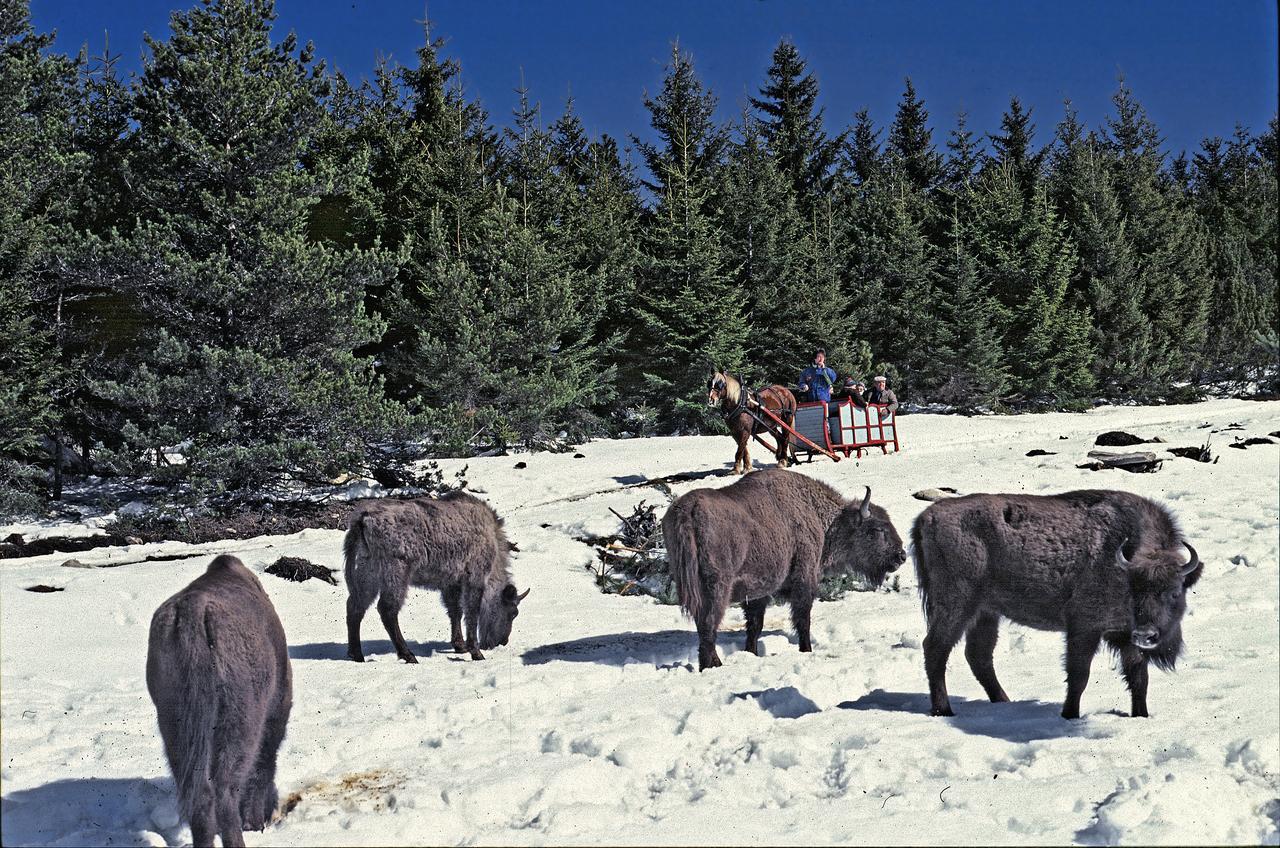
(455, 544)
(1096, 565)
(218, 672)
(772, 533)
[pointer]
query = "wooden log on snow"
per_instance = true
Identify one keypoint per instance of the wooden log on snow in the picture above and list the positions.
(1136, 461)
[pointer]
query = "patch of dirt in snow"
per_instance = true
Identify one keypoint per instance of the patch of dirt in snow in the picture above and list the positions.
(365, 792)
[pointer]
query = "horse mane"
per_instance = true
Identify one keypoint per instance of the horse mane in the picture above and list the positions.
(732, 388)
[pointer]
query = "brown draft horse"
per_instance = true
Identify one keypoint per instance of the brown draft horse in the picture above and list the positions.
(724, 391)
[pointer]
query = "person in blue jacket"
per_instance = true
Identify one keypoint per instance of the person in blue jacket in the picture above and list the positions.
(816, 380)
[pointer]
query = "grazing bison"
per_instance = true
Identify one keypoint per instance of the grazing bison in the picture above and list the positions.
(724, 391)
(218, 672)
(771, 533)
(454, 544)
(1097, 565)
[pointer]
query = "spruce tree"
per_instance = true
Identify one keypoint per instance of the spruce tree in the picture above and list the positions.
(39, 169)
(688, 305)
(861, 158)
(507, 355)
(1230, 181)
(974, 372)
(1168, 244)
(1026, 259)
(791, 124)
(793, 301)
(1013, 147)
(965, 158)
(250, 361)
(910, 144)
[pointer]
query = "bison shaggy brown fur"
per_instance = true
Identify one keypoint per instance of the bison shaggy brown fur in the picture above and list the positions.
(775, 532)
(455, 544)
(1095, 564)
(218, 672)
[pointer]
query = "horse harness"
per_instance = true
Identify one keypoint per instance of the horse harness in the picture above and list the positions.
(746, 396)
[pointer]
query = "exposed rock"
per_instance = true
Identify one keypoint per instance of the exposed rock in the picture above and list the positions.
(934, 494)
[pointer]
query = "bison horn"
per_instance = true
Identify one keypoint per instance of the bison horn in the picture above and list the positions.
(523, 595)
(1121, 559)
(1195, 561)
(865, 509)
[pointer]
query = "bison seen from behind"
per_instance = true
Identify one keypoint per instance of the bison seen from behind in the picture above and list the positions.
(772, 533)
(1097, 565)
(455, 544)
(218, 672)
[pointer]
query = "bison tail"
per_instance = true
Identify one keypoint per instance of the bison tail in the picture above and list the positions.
(358, 569)
(921, 566)
(680, 536)
(183, 673)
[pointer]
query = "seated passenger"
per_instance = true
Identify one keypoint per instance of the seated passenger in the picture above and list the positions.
(853, 389)
(880, 394)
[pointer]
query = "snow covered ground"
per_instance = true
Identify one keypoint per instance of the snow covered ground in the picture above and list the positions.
(592, 727)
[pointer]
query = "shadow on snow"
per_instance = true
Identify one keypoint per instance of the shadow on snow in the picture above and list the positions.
(1016, 721)
(372, 648)
(92, 811)
(663, 647)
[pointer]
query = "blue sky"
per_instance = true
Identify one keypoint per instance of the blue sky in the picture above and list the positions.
(1198, 67)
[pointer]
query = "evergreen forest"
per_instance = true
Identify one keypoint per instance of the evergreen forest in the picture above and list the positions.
(239, 271)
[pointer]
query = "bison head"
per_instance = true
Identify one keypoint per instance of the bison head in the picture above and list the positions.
(1158, 583)
(500, 611)
(863, 539)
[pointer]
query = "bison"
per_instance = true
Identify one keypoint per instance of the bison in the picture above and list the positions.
(455, 544)
(772, 533)
(1097, 565)
(218, 672)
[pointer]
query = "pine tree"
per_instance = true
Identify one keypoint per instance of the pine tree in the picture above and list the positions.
(793, 302)
(893, 280)
(1026, 259)
(861, 159)
(974, 373)
(39, 168)
(1013, 147)
(965, 159)
(910, 145)
(599, 233)
(1168, 245)
(689, 309)
(508, 352)
(792, 126)
(250, 361)
(1229, 183)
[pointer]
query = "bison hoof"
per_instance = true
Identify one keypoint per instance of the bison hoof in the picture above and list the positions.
(476, 655)
(942, 711)
(459, 647)
(1070, 714)
(409, 658)
(1139, 714)
(355, 656)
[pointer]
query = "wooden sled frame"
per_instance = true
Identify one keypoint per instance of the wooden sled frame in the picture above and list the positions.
(857, 428)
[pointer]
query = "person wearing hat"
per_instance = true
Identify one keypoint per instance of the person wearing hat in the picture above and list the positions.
(880, 394)
(855, 390)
